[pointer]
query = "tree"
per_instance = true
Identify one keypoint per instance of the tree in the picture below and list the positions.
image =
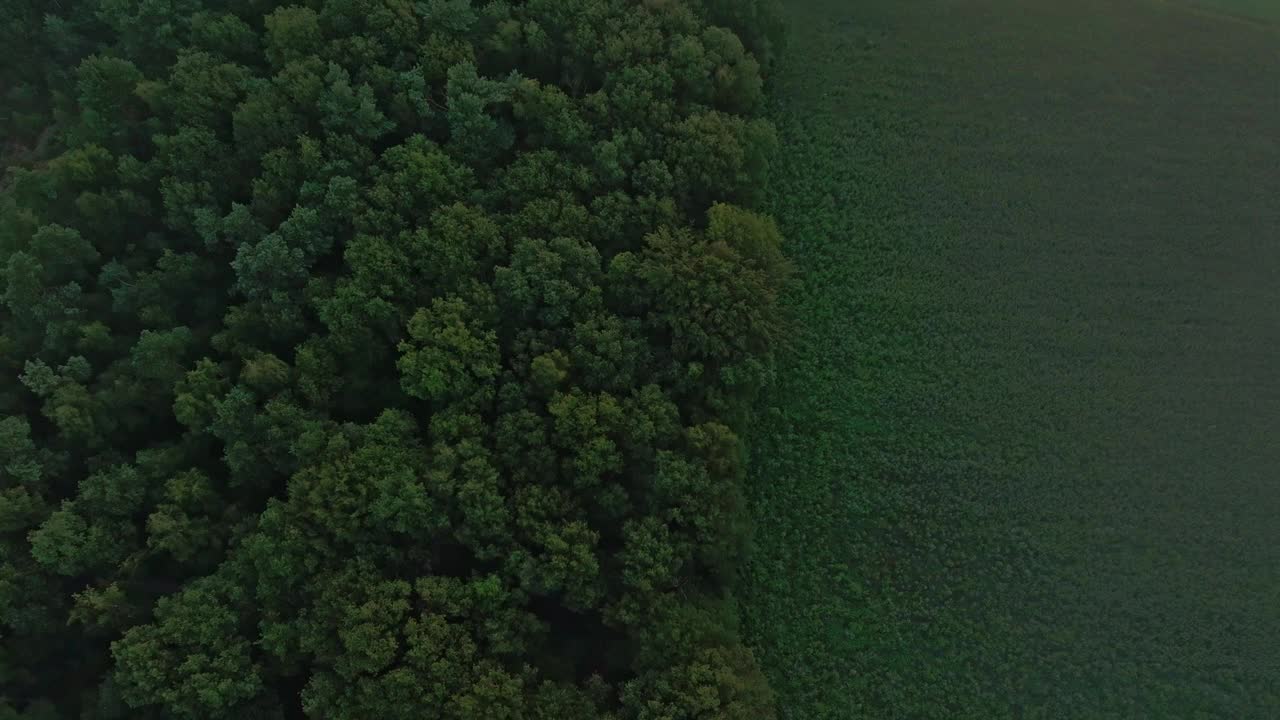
(194, 660)
(374, 358)
(453, 353)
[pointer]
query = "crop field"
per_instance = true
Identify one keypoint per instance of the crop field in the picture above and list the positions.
(1249, 10)
(1022, 457)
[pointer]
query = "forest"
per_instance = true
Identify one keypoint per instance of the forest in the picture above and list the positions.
(381, 358)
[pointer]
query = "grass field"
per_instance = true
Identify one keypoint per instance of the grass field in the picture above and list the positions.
(1253, 10)
(1023, 458)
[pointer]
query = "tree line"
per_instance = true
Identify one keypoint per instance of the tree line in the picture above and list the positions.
(380, 358)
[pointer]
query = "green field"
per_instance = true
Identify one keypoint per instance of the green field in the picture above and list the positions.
(1252, 10)
(1022, 456)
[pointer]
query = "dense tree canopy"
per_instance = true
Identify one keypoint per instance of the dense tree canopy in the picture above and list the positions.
(379, 358)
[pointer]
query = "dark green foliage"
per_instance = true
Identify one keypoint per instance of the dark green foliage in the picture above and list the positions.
(380, 359)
